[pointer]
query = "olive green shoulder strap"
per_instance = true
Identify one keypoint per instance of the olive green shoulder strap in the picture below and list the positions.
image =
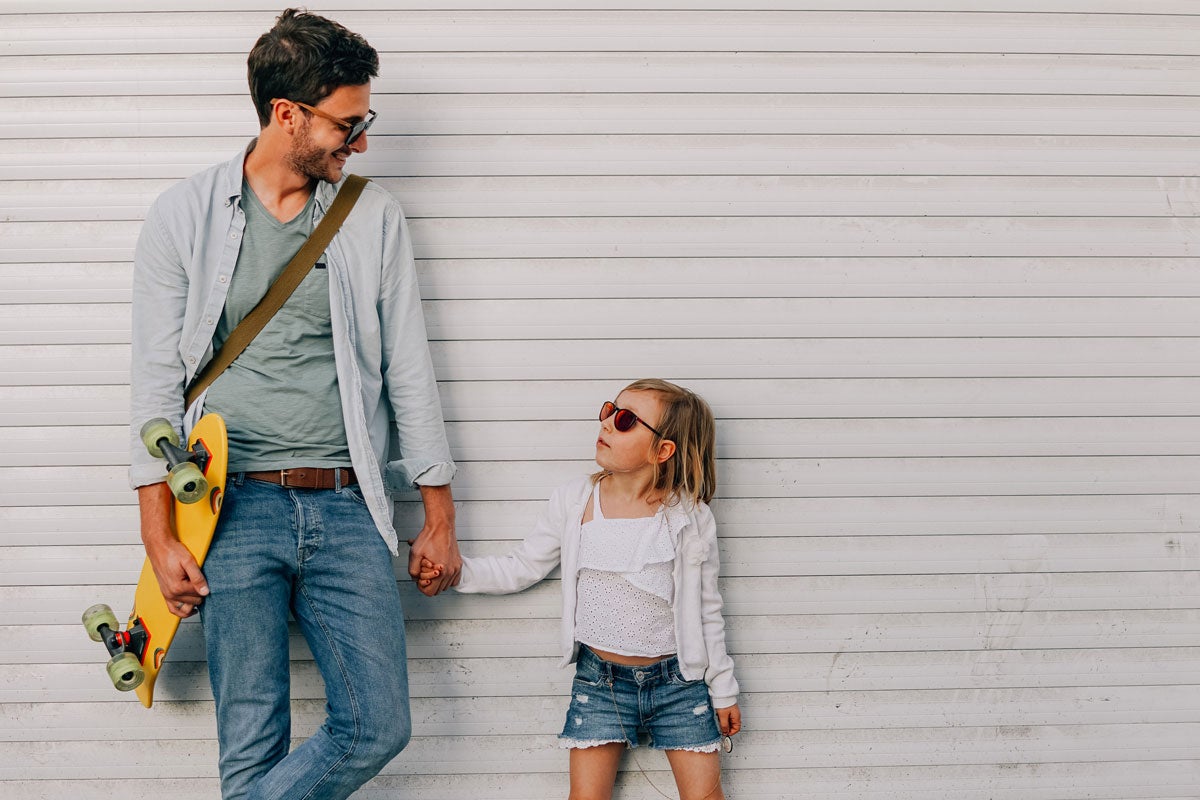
(291, 277)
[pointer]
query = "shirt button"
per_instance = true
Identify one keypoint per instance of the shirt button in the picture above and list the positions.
(222, 279)
(233, 235)
(208, 321)
(191, 359)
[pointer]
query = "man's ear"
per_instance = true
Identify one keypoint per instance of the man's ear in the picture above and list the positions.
(284, 115)
(666, 449)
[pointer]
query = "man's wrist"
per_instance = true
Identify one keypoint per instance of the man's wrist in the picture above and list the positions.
(439, 504)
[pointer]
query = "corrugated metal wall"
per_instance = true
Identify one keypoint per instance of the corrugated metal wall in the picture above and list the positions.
(934, 262)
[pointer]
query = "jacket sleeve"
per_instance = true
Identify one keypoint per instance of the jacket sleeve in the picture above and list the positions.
(531, 561)
(411, 386)
(722, 686)
(160, 288)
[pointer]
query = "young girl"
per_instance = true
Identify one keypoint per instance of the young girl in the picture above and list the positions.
(641, 611)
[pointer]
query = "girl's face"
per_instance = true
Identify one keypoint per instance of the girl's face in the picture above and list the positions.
(632, 450)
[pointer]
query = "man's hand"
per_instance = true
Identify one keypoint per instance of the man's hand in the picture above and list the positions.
(436, 542)
(179, 577)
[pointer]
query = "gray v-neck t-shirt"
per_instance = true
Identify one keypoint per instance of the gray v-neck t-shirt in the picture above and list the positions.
(280, 397)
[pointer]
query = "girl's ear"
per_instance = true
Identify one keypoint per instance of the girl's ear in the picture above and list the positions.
(666, 449)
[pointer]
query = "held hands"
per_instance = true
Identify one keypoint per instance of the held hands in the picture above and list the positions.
(429, 572)
(433, 558)
(428, 575)
(429, 565)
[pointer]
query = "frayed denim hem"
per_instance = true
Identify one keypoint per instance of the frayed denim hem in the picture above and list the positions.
(583, 744)
(704, 748)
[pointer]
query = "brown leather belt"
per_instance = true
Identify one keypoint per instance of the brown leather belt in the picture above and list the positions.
(307, 477)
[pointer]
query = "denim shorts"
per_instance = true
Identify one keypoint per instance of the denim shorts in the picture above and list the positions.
(614, 703)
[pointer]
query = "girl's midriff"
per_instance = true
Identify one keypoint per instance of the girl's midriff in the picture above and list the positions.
(628, 661)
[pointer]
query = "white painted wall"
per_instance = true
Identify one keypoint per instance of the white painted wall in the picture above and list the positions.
(934, 263)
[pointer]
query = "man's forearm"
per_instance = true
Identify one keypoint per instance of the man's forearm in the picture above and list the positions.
(155, 504)
(439, 507)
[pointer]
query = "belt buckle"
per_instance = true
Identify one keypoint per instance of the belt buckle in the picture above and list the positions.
(283, 478)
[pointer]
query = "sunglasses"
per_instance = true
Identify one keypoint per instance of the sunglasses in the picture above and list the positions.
(353, 129)
(623, 418)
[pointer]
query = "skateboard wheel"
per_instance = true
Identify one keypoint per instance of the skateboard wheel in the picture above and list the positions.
(155, 429)
(98, 615)
(125, 672)
(187, 483)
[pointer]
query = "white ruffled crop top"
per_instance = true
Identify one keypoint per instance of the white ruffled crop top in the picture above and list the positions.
(625, 586)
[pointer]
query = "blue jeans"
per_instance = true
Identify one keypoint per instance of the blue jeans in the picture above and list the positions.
(317, 554)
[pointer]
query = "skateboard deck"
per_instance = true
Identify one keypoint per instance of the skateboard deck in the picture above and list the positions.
(197, 480)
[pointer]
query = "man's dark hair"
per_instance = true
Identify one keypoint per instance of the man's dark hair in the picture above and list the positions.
(305, 58)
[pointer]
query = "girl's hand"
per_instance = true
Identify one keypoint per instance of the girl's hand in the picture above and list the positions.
(428, 572)
(730, 720)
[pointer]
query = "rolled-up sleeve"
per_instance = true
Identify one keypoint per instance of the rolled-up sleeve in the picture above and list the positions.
(424, 452)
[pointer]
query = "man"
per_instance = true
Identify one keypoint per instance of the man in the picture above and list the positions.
(306, 526)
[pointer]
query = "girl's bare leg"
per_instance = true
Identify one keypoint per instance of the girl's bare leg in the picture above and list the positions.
(594, 771)
(697, 775)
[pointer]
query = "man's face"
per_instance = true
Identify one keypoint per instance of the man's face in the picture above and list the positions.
(319, 150)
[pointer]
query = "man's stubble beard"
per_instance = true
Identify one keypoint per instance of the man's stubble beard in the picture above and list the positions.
(308, 160)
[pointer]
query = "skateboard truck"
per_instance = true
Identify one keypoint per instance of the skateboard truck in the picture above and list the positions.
(186, 476)
(133, 640)
(127, 647)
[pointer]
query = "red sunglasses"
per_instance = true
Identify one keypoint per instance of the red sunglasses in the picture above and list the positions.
(624, 419)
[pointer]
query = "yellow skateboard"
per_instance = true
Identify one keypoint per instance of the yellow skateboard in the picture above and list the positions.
(197, 479)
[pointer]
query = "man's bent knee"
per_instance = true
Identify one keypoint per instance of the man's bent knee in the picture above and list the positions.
(383, 742)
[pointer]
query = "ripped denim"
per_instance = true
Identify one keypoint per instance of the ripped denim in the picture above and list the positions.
(614, 703)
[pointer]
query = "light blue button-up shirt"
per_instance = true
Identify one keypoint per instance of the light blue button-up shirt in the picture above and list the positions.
(182, 267)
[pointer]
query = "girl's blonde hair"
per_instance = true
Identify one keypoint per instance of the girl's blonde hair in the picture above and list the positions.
(691, 472)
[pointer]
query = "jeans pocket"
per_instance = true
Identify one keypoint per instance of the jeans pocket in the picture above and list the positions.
(355, 494)
(587, 673)
(592, 681)
(677, 678)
